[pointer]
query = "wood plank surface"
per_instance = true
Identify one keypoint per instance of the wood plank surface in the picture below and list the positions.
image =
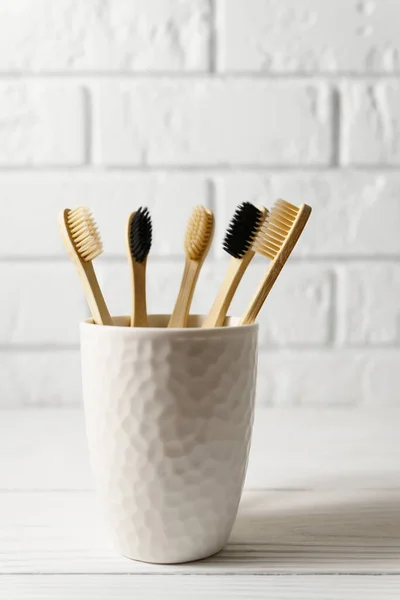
(125, 587)
(276, 532)
(319, 518)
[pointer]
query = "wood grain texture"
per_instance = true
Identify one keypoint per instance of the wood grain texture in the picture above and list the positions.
(326, 525)
(276, 532)
(125, 587)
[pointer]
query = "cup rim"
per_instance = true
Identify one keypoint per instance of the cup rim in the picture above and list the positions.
(178, 331)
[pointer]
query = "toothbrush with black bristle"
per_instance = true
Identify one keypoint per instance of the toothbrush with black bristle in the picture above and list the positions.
(238, 243)
(139, 238)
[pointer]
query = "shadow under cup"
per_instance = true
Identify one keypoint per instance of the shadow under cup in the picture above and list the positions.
(169, 415)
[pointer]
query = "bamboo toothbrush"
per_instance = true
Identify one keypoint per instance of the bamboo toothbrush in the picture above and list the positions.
(238, 242)
(83, 243)
(139, 236)
(199, 235)
(276, 240)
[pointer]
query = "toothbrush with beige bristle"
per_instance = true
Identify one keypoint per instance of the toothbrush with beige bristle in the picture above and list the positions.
(276, 240)
(83, 243)
(198, 238)
(238, 243)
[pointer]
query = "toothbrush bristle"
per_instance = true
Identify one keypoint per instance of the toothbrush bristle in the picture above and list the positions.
(242, 229)
(275, 229)
(84, 233)
(198, 232)
(140, 234)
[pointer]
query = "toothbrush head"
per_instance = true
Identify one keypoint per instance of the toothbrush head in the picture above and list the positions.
(199, 233)
(277, 227)
(140, 234)
(84, 233)
(242, 229)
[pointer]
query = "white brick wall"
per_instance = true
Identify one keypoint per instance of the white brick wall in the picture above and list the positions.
(152, 123)
(42, 124)
(170, 103)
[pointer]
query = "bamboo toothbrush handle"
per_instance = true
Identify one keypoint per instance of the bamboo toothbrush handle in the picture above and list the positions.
(139, 308)
(261, 294)
(235, 272)
(275, 268)
(93, 294)
(87, 275)
(180, 313)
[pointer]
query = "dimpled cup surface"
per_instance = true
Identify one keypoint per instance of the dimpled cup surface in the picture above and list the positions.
(169, 414)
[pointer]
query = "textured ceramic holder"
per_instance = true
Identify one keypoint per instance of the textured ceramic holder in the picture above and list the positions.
(169, 414)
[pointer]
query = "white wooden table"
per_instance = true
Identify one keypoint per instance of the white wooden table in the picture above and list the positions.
(319, 518)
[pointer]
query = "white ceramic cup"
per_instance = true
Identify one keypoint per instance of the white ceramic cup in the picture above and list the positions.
(169, 414)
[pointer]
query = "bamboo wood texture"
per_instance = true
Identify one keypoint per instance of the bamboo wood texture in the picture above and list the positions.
(276, 266)
(236, 269)
(191, 274)
(87, 275)
(138, 286)
(234, 274)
